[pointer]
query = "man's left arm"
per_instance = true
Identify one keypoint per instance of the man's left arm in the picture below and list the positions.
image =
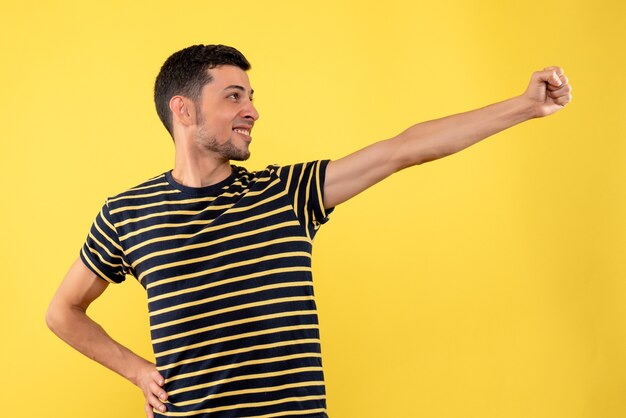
(548, 91)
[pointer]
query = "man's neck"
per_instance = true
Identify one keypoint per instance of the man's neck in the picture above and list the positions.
(199, 169)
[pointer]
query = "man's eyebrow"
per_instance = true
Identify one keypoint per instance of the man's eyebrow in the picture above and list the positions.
(238, 87)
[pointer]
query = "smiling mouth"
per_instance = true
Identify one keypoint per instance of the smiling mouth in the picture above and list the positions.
(245, 132)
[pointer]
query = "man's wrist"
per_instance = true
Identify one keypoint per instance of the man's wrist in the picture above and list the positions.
(135, 367)
(524, 108)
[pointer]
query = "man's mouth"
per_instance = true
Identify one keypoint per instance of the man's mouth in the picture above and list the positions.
(245, 132)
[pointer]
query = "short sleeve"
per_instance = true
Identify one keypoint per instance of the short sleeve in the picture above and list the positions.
(304, 184)
(102, 252)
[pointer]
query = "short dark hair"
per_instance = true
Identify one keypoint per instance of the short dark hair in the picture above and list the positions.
(185, 73)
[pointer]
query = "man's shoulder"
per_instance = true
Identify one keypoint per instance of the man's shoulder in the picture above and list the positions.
(279, 168)
(156, 184)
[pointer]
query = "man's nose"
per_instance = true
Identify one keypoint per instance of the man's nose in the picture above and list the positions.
(250, 112)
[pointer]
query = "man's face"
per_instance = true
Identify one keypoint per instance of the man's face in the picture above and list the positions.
(226, 114)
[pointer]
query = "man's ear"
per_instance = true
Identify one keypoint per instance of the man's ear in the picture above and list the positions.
(183, 110)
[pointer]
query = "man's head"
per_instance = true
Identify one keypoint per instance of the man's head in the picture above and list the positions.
(186, 72)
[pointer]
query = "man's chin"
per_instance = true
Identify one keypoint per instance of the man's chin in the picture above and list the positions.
(231, 152)
(240, 155)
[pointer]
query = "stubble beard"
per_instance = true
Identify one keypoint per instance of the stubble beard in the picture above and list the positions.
(227, 150)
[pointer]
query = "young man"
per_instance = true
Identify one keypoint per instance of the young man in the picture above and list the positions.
(224, 254)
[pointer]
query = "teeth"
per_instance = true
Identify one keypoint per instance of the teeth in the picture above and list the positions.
(242, 131)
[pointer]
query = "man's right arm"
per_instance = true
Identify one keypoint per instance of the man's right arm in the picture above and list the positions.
(67, 318)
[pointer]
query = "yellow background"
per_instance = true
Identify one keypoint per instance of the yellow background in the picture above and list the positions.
(488, 284)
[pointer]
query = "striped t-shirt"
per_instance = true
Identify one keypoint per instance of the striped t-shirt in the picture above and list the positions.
(227, 269)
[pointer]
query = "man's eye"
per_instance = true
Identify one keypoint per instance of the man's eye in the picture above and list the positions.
(234, 96)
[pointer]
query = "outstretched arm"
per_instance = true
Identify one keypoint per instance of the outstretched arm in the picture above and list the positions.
(548, 91)
(67, 318)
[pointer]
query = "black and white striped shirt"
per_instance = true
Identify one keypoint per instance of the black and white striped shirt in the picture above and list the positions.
(227, 269)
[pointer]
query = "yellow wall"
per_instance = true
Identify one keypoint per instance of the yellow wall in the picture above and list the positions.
(489, 284)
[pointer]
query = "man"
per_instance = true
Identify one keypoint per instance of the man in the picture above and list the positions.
(224, 253)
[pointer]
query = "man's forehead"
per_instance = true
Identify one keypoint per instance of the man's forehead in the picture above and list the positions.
(229, 76)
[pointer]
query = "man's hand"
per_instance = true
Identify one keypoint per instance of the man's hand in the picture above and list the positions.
(150, 381)
(549, 91)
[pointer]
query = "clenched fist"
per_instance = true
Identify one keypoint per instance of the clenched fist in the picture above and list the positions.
(548, 91)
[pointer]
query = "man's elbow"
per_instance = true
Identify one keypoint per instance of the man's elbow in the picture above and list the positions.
(52, 317)
(431, 155)
(57, 317)
(411, 154)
